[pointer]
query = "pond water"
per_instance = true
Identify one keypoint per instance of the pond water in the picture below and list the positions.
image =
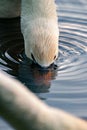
(65, 86)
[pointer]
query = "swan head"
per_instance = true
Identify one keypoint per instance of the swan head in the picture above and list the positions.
(41, 45)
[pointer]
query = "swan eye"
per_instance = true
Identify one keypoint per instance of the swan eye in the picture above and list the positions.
(33, 57)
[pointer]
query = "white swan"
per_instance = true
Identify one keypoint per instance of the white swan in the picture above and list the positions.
(39, 27)
(25, 112)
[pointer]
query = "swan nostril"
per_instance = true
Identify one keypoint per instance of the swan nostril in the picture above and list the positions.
(54, 57)
(33, 58)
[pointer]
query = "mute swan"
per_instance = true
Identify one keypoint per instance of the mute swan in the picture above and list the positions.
(39, 27)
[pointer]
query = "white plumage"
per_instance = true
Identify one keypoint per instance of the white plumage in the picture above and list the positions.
(39, 27)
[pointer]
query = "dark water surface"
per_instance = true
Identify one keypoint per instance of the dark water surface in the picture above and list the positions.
(64, 86)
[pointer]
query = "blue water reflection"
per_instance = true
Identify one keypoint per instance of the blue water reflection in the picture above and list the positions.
(65, 86)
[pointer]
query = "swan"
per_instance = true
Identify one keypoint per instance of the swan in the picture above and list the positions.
(20, 107)
(39, 26)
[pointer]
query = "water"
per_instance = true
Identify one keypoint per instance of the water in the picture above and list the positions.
(65, 86)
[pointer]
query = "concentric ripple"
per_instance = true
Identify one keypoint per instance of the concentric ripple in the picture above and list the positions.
(64, 86)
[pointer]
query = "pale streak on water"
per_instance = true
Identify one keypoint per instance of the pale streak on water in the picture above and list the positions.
(66, 86)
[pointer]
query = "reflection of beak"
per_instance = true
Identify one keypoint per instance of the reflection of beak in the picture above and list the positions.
(42, 78)
(38, 79)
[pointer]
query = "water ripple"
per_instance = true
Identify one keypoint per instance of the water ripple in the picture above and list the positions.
(64, 86)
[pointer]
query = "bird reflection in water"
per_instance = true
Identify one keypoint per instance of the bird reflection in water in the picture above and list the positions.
(37, 79)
